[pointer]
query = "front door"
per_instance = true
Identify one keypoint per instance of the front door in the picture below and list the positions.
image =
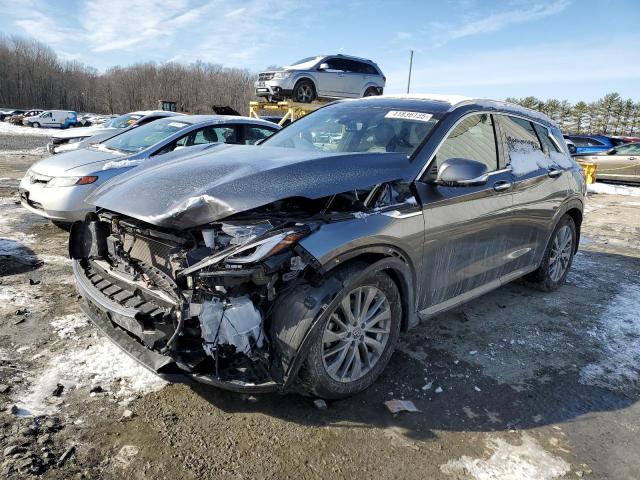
(467, 228)
(331, 81)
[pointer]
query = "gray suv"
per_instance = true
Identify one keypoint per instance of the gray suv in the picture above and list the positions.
(298, 262)
(322, 76)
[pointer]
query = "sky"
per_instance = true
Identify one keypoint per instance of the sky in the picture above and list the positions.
(567, 49)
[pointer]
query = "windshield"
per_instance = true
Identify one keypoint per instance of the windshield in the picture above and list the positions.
(351, 127)
(140, 138)
(123, 121)
(304, 60)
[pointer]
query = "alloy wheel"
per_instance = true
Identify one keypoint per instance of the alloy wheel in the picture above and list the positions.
(560, 255)
(304, 93)
(356, 334)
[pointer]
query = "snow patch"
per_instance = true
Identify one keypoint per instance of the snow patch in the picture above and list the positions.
(121, 164)
(101, 364)
(611, 189)
(528, 461)
(619, 333)
(526, 158)
(10, 129)
(66, 326)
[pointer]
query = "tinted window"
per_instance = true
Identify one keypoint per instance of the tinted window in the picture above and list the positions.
(211, 134)
(547, 143)
(592, 142)
(337, 64)
(473, 139)
(627, 149)
(520, 135)
(253, 134)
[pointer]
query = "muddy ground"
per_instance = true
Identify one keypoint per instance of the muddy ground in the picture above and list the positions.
(516, 385)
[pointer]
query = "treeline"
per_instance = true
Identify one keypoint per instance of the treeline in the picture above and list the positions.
(611, 115)
(32, 76)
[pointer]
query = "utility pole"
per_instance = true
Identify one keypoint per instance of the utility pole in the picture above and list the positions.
(410, 65)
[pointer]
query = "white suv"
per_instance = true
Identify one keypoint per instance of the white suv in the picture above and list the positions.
(329, 76)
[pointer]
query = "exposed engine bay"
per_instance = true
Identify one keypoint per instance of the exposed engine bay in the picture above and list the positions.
(206, 297)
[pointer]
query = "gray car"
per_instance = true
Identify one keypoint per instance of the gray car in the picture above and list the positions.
(57, 187)
(322, 76)
(297, 264)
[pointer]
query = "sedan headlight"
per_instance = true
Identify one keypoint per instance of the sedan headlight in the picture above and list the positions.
(281, 75)
(70, 181)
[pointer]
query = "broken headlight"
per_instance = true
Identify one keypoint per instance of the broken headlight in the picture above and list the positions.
(255, 251)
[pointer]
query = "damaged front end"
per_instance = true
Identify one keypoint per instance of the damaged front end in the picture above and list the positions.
(228, 303)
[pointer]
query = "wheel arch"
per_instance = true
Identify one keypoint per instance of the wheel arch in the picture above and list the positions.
(296, 319)
(304, 76)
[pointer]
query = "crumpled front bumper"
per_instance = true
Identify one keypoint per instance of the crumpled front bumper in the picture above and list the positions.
(117, 323)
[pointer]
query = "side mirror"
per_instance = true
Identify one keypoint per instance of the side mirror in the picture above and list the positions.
(572, 148)
(612, 151)
(323, 66)
(462, 172)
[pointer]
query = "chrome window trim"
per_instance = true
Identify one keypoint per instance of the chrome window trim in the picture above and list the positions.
(479, 112)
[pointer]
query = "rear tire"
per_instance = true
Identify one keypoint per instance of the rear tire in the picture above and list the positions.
(371, 92)
(557, 259)
(304, 92)
(365, 339)
(35, 125)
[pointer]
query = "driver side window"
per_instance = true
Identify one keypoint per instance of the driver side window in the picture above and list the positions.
(474, 139)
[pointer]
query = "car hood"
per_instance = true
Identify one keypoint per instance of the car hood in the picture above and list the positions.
(81, 132)
(193, 190)
(75, 162)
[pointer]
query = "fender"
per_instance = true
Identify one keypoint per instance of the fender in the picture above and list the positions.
(303, 76)
(574, 201)
(297, 319)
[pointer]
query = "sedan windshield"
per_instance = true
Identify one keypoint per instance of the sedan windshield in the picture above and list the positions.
(140, 138)
(123, 121)
(348, 127)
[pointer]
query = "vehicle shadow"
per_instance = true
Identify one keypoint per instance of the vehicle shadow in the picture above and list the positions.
(513, 359)
(16, 258)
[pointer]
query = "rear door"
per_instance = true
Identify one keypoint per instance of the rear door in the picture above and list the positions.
(538, 187)
(467, 229)
(355, 78)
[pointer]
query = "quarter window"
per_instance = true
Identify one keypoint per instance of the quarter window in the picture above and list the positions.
(474, 139)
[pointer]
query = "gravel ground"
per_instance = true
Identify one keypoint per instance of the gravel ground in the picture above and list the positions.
(516, 385)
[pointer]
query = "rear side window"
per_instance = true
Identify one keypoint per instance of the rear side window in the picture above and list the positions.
(226, 134)
(474, 139)
(525, 153)
(547, 144)
(254, 134)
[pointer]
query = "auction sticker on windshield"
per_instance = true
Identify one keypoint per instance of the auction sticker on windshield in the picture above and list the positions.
(404, 115)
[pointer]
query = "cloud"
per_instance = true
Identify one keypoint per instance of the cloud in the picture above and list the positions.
(217, 31)
(498, 21)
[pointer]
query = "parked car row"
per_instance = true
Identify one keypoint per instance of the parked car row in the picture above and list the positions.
(596, 143)
(294, 259)
(51, 118)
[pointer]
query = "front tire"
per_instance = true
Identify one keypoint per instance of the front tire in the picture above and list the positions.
(35, 125)
(356, 339)
(304, 92)
(558, 257)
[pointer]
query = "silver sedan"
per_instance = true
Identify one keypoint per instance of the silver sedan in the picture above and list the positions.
(57, 187)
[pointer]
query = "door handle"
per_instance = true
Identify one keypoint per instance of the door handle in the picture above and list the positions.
(501, 186)
(555, 173)
(632, 158)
